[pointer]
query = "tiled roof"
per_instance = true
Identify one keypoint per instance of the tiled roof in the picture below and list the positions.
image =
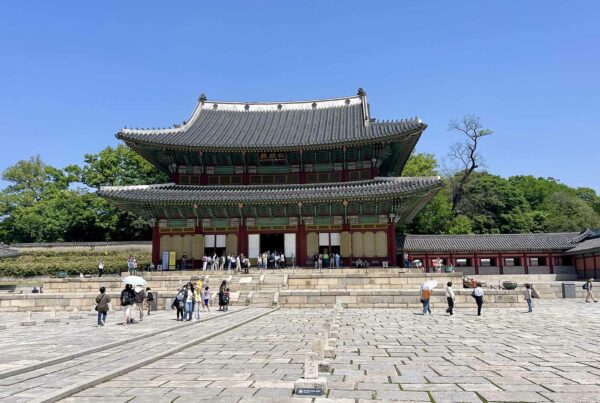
(586, 246)
(172, 193)
(489, 242)
(225, 125)
(5, 252)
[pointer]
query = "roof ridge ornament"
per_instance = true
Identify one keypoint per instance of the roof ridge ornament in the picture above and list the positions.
(202, 99)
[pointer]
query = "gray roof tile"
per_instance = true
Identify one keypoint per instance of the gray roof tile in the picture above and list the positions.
(5, 252)
(589, 245)
(489, 242)
(386, 187)
(264, 126)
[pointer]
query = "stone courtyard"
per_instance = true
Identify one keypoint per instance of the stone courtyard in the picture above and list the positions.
(256, 354)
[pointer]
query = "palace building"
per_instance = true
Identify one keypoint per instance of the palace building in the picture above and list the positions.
(297, 177)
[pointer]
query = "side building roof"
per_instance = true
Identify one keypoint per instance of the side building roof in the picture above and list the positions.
(5, 252)
(482, 243)
(221, 126)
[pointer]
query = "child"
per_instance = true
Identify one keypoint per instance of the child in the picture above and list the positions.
(226, 300)
(206, 299)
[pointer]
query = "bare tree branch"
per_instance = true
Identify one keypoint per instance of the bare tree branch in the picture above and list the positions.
(466, 153)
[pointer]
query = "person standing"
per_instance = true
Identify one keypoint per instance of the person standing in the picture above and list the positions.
(222, 289)
(189, 303)
(179, 302)
(478, 295)
(102, 301)
(405, 259)
(226, 299)
(101, 268)
(528, 297)
(425, 296)
(293, 261)
(450, 298)
(588, 287)
(282, 260)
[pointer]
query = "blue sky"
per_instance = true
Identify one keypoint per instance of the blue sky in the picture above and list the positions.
(73, 73)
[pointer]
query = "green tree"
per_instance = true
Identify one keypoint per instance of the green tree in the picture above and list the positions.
(568, 212)
(420, 164)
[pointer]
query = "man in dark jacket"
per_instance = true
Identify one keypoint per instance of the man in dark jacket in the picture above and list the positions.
(127, 300)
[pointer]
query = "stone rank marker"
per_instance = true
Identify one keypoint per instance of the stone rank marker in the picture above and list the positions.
(28, 322)
(311, 384)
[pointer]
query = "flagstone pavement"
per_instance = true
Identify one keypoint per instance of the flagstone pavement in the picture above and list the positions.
(505, 355)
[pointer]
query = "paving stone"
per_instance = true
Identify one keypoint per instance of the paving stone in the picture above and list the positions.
(512, 396)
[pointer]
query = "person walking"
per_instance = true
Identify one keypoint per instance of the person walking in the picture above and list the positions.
(206, 298)
(450, 298)
(588, 287)
(101, 268)
(337, 260)
(197, 299)
(425, 296)
(127, 300)
(149, 299)
(222, 289)
(528, 297)
(139, 298)
(102, 301)
(478, 295)
(226, 300)
(179, 301)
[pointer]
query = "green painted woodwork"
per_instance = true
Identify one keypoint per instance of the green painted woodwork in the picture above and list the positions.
(323, 220)
(176, 223)
(271, 221)
(323, 167)
(273, 169)
(219, 222)
(368, 219)
(224, 169)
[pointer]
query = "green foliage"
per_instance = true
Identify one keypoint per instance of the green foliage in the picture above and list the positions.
(492, 204)
(420, 165)
(49, 262)
(42, 205)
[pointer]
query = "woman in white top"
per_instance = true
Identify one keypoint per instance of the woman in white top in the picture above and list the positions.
(450, 298)
(478, 295)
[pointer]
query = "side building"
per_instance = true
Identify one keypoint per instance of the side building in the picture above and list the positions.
(539, 253)
(301, 178)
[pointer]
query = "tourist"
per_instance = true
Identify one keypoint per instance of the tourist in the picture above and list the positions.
(320, 262)
(139, 298)
(204, 262)
(134, 263)
(238, 263)
(316, 261)
(337, 260)
(528, 297)
(206, 298)
(246, 264)
(282, 260)
(149, 299)
(127, 300)
(184, 261)
(275, 260)
(425, 296)
(226, 300)
(222, 289)
(405, 259)
(259, 262)
(130, 265)
(101, 268)
(293, 261)
(178, 302)
(450, 298)
(189, 302)
(102, 301)
(478, 295)
(326, 260)
(588, 287)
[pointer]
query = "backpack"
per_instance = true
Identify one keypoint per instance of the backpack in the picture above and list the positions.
(585, 286)
(179, 296)
(226, 299)
(126, 298)
(150, 296)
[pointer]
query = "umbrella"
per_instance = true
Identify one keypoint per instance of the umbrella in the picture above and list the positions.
(429, 285)
(134, 280)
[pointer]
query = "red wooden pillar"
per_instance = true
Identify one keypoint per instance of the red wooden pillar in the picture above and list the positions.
(345, 175)
(525, 263)
(391, 244)
(551, 263)
(500, 263)
(155, 244)
(242, 234)
(245, 178)
(426, 264)
(301, 245)
(476, 263)
(302, 177)
(584, 266)
(204, 179)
